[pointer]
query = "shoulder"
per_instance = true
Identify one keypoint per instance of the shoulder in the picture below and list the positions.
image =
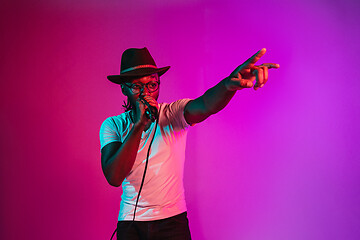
(173, 113)
(122, 117)
(175, 106)
(116, 121)
(114, 129)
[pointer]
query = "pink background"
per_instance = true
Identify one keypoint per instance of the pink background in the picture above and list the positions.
(278, 163)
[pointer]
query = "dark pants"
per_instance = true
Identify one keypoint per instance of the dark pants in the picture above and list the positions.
(173, 228)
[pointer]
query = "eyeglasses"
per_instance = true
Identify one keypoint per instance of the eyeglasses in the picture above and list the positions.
(137, 88)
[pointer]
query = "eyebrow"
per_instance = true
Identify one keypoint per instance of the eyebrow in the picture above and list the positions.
(153, 78)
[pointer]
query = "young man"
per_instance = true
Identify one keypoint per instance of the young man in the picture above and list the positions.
(143, 149)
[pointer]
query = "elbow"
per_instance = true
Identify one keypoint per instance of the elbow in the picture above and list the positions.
(113, 182)
(113, 177)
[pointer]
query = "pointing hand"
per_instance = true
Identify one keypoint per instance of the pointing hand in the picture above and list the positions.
(245, 74)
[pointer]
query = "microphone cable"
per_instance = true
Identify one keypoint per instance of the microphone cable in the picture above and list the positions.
(143, 178)
(146, 164)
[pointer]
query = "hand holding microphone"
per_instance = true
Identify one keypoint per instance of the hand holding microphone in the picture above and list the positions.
(151, 111)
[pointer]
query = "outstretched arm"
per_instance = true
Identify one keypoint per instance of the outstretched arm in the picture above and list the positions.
(217, 97)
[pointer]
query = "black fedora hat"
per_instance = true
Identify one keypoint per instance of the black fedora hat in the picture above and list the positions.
(136, 62)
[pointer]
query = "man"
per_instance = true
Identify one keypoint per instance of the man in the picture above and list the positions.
(143, 149)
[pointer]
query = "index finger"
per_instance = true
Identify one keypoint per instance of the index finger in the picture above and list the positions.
(251, 61)
(255, 57)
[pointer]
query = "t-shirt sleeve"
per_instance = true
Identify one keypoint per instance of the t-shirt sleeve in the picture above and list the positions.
(108, 132)
(176, 113)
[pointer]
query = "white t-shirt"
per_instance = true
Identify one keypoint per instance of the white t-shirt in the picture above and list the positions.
(162, 195)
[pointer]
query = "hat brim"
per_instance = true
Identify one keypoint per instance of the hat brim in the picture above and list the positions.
(129, 76)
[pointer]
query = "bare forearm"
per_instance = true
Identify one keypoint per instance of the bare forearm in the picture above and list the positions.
(211, 102)
(120, 164)
(217, 97)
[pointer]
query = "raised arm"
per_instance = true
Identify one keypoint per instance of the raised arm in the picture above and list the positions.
(217, 97)
(117, 159)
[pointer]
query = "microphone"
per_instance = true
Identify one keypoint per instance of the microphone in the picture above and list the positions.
(151, 112)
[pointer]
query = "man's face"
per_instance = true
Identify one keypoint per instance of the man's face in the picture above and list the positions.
(143, 83)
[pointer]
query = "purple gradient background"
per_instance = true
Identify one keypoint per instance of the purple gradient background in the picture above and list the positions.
(278, 163)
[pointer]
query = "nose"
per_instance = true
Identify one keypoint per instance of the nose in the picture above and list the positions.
(144, 91)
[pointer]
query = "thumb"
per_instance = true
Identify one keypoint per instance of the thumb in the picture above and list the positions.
(246, 83)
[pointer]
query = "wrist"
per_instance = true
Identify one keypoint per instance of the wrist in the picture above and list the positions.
(226, 82)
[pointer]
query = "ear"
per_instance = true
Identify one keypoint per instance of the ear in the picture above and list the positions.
(124, 90)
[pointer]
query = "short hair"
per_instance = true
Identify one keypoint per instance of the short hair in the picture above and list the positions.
(127, 105)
